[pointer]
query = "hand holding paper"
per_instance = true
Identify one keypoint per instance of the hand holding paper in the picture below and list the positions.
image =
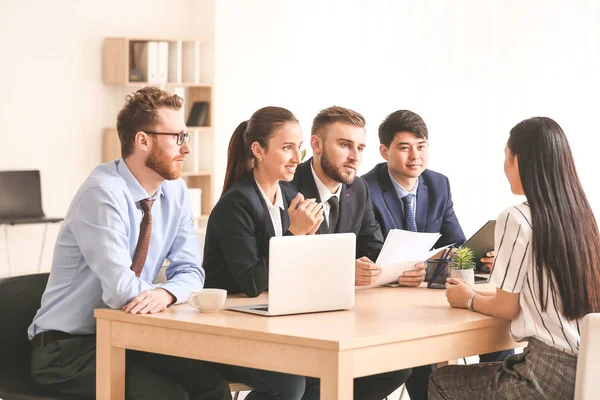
(401, 251)
(366, 272)
(413, 277)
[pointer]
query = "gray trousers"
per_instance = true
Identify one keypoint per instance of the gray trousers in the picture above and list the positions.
(540, 372)
(69, 367)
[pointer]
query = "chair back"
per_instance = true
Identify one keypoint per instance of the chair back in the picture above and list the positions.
(21, 195)
(20, 298)
(588, 361)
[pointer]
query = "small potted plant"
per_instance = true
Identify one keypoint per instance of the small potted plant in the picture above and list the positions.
(462, 265)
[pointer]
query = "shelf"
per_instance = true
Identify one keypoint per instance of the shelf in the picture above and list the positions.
(200, 129)
(159, 62)
(184, 67)
(168, 84)
(197, 173)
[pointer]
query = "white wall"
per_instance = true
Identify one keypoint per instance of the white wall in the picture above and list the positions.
(53, 103)
(471, 69)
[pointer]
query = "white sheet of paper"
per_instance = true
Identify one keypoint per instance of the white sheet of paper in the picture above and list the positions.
(401, 251)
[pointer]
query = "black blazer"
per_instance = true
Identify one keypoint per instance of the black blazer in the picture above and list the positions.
(236, 249)
(356, 211)
(435, 210)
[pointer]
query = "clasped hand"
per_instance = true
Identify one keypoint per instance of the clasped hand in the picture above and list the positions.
(306, 215)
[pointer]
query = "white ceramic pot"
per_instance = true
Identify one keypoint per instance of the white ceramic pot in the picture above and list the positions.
(467, 275)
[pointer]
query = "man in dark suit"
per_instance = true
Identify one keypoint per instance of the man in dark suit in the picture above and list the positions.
(403, 191)
(406, 195)
(338, 140)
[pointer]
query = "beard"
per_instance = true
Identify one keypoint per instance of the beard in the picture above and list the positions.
(336, 173)
(160, 162)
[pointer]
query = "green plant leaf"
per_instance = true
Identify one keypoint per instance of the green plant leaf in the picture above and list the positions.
(463, 258)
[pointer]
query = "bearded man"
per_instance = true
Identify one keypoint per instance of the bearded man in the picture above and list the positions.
(127, 217)
(338, 141)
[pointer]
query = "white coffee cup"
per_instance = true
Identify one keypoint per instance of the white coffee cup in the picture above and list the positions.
(208, 300)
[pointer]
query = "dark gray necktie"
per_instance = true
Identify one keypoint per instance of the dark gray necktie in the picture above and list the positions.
(409, 212)
(334, 213)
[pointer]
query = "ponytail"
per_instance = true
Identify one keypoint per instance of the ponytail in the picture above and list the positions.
(237, 157)
(259, 128)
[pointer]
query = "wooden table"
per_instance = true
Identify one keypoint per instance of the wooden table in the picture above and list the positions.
(388, 329)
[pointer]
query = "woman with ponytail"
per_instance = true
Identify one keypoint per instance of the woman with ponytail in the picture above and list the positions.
(547, 273)
(253, 208)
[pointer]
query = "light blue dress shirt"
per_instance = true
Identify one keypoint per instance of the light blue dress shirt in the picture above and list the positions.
(96, 245)
(401, 192)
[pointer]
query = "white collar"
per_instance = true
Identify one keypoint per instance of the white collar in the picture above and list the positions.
(278, 198)
(324, 193)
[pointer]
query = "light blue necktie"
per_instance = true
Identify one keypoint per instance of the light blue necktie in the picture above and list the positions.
(409, 212)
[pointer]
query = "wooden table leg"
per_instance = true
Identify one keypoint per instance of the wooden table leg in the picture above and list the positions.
(449, 362)
(110, 365)
(337, 381)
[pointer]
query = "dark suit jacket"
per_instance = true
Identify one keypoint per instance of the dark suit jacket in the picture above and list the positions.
(435, 211)
(356, 211)
(236, 249)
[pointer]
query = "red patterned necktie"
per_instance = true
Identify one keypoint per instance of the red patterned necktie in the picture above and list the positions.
(141, 250)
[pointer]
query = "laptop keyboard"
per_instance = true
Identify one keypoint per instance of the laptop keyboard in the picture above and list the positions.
(260, 308)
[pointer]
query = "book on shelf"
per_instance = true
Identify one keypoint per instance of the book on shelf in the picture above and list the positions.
(145, 60)
(163, 62)
(198, 114)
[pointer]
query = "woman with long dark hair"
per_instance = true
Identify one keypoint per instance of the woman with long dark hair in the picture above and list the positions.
(253, 208)
(547, 273)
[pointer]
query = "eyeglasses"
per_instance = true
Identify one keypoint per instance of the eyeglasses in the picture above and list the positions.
(181, 136)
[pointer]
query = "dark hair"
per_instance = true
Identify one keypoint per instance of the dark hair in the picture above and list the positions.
(259, 128)
(401, 121)
(140, 113)
(331, 115)
(566, 242)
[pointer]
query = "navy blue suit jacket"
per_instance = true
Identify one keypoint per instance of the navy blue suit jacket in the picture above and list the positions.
(435, 210)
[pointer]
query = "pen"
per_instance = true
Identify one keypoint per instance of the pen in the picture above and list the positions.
(441, 265)
(438, 270)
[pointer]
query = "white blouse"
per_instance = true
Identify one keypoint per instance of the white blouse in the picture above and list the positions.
(514, 271)
(274, 209)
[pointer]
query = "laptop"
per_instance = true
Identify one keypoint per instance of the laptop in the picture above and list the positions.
(310, 273)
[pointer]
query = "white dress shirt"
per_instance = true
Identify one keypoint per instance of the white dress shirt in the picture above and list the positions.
(324, 193)
(274, 209)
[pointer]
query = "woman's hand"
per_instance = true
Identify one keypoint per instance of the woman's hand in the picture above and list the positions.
(306, 215)
(458, 293)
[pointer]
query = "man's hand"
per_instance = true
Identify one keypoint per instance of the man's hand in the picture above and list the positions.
(488, 260)
(366, 272)
(149, 302)
(413, 277)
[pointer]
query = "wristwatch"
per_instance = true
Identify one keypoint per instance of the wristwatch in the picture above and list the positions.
(470, 302)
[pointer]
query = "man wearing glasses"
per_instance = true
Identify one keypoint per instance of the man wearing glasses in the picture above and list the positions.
(127, 217)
